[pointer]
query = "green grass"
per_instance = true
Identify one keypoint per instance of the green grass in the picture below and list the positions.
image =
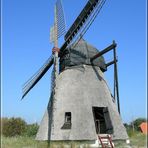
(27, 142)
(22, 142)
(138, 140)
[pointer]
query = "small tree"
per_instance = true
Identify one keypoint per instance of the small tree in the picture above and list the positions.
(13, 126)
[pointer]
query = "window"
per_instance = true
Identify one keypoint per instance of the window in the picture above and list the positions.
(68, 117)
(67, 123)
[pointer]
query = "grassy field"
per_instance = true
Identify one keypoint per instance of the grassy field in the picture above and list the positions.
(137, 141)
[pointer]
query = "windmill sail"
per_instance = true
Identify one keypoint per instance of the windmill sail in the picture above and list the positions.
(60, 22)
(56, 31)
(82, 22)
(52, 34)
(37, 76)
(60, 18)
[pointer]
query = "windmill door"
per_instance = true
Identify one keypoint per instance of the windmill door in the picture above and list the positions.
(102, 120)
(108, 123)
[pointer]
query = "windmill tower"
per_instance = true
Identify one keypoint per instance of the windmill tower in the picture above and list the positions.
(81, 106)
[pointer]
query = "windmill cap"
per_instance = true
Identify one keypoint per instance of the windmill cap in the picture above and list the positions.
(79, 54)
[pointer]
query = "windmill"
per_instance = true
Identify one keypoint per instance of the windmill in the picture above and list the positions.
(81, 105)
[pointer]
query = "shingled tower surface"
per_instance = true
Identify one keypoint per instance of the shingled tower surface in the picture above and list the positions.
(83, 105)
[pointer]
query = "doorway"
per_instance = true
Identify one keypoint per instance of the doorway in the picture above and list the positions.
(102, 120)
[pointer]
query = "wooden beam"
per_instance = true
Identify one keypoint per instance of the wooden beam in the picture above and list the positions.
(116, 86)
(111, 62)
(112, 46)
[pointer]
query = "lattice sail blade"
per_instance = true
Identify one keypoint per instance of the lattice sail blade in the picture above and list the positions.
(52, 34)
(37, 76)
(82, 22)
(60, 19)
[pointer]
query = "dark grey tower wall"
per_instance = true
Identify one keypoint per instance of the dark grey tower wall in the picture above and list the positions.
(78, 90)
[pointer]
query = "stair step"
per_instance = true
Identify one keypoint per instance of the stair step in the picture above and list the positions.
(105, 140)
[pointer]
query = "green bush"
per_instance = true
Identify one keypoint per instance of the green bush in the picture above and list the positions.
(18, 127)
(13, 126)
(31, 130)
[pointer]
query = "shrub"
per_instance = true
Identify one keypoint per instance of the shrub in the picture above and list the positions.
(13, 126)
(31, 130)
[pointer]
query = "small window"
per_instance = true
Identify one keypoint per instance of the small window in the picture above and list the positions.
(68, 117)
(67, 123)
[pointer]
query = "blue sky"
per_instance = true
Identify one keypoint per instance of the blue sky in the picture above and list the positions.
(25, 47)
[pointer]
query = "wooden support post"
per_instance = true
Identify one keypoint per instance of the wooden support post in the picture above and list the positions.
(116, 86)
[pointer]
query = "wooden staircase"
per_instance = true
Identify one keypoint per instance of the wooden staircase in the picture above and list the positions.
(105, 141)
